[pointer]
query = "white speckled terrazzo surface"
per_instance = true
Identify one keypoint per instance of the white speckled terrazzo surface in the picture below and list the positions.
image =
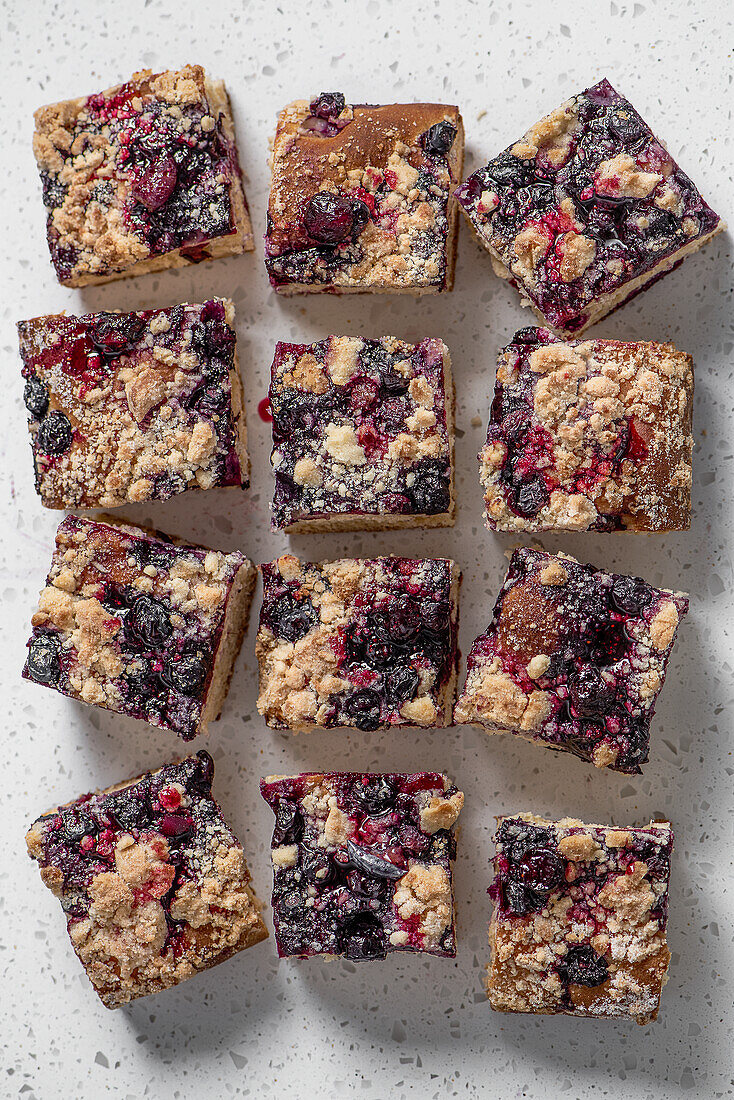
(409, 1026)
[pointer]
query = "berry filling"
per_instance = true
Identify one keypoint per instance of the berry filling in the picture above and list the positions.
(594, 205)
(349, 853)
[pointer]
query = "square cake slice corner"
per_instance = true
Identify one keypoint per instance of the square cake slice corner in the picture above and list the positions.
(153, 883)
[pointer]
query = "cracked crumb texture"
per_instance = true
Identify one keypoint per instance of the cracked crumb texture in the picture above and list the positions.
(129, 407)
(588, 436)
(580, 915)
(141, 177)
(586, 210)
(152, 881)
(137, 624)
(574, 659)
(361, 197)
(362, 435)
(362, 863)
(367, 643)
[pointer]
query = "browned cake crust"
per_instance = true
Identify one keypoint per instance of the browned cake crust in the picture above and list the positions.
(154, 883)
(594, 943)
(107, 207)
(376, 156)
(609, 443)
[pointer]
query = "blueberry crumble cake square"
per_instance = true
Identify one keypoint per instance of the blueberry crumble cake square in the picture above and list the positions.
(574, 659)
(136, 623)
(367, 643)
(589, 436)
(362, 863)
(580, 915)
(152, 881)
(585, 210)
(141, 177)
(134, 406)
(363, 434)
(361, 197)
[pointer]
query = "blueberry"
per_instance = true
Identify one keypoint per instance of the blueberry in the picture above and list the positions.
(44, 659)
(363, 709)
(187, 674)
(430, 493)
(116, 333)
(149, 622)
(531, 497)
(318, 868)
(626, 125)
(289, 823)
(196, 773)
(402, 684)
(129, 810)
(157, 183)
(590, 694)
(377, 796)
(370, 889)
(515, 839)
(330, 219)
(505, 171)
(374, 358)
(435, 616)
(369, 863)
(142, 685)
(439, 138)
(292, 617)
(327, 105)
(539, 869)
(403, 620)
(393, 383)
(293, 412)
(582, 966)
(518, 899)
(35, 397)
(75, 824)
(54, 434)
(214, 339)
(662, 225)
(363, 937)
